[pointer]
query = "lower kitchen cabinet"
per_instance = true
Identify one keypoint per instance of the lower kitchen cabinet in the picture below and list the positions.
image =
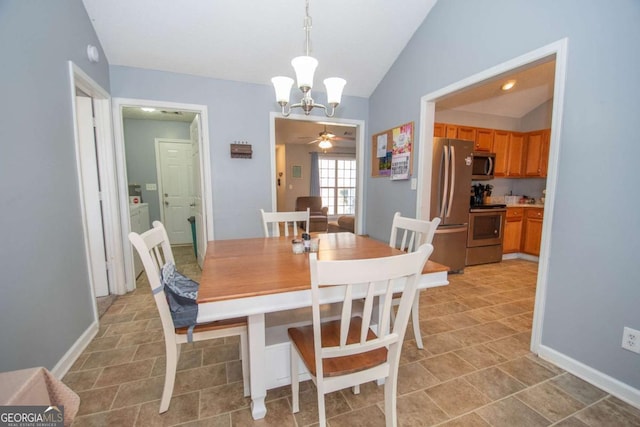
(513, 230)
(532, 231)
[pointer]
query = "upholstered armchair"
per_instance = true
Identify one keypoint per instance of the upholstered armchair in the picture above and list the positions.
(317, 215)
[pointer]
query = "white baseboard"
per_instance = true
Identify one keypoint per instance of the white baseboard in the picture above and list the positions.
(520, 255)
(65, 363)
(601, 380)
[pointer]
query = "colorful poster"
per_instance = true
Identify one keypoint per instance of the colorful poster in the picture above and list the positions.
(400, 166)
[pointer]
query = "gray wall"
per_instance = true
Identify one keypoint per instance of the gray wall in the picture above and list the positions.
(593, 270)
(140, 150)
(45, 300)
(237, 111)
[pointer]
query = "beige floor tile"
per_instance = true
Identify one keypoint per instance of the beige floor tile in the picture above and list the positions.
(495, 330)
(549, 401)
(511, 412)
(335, 404)
(494, 383)
(526, 371)
(182, 409)
(150, 350)
(370, 394)
(441, 343)
(469, 420)
(138, 338)
(96, 400)
(570, 422)
(278, 415)
(509, 347)
(124, 417)
(102, 344)
(578, 389)
(124, 373)
(223, 420)
(417, 409)
(221, 399)
(434, 326)
(137, 392)
(414, 376)
(365, 417)
(200, 378)
(188, 360)
(447, 366)
(480, 356)
(221, 353)
(607, 413)
(101, 359)
(457, 397)
(81, 380)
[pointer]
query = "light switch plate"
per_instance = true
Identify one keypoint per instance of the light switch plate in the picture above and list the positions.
(414, 183)
(151, 187)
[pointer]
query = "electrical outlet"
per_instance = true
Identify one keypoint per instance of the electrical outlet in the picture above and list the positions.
(631, 340)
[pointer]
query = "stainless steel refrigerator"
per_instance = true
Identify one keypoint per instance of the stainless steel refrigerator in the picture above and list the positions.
(450, 191)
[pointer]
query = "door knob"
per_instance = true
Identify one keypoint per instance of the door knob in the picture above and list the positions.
(166, 203)
(193, 205)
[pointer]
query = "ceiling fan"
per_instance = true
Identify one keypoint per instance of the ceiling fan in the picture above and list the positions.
(325, 138)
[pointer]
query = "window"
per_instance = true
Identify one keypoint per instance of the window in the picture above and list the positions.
(338, 185)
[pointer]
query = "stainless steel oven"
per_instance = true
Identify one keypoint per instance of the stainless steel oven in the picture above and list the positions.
(484, 240)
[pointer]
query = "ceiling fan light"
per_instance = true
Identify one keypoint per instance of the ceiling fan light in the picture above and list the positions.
(324, 144)
(282, 85)
(305, 67)
(334, 86)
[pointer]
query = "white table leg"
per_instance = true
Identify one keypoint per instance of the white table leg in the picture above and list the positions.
(256, 365)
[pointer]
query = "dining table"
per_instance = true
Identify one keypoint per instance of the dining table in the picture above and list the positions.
(253, 277)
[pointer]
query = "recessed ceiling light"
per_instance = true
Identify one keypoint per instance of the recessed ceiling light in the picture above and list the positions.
(148, 110)
(508, 85)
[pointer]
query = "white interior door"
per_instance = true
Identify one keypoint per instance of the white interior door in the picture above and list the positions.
(91, 195)
(175, 166)
(198, 208)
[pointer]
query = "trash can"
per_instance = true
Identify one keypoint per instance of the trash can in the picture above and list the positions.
(192, 220)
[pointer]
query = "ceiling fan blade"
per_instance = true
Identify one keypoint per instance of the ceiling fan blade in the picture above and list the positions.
(344, 138)
(314, 141)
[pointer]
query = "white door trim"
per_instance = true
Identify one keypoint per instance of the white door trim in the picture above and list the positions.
(425, 144)
(121, 164)
(110, 215)
(360, 158)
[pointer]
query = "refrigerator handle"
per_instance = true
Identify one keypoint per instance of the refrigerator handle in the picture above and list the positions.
(445, 189)
(453, 179)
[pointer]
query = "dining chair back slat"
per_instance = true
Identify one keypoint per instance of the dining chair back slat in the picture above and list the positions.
(273, 220)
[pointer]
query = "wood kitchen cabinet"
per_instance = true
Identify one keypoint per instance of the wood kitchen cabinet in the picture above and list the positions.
(537, 153)
(500, 146)
(484, 139)
(467, 133)
(532, 231)
(451, 131)
(439, 130)
(515, 154)
(513, 230)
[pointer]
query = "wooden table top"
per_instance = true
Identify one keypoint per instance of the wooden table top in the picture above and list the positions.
(243, 268)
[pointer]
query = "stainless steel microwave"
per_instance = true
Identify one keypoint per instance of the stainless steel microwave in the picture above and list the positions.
(483, 165)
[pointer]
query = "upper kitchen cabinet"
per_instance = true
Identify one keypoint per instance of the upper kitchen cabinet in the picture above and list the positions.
(537, 153)
(500, 146)
(515, 156)
(467, 133)
(484, 139)
(451, 131)
(439, 130)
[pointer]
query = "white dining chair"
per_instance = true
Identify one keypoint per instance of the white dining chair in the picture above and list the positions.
(407, 234)
(346, 352)
(274, 219)
(154, 250)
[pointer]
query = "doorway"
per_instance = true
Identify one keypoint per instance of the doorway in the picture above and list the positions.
(97, 188)
(427, 114)
(299, 135)
(137, 166)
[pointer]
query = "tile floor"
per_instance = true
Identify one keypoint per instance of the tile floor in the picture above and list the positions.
(476, 369)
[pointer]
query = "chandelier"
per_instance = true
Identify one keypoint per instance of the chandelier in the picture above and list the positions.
(304, 67)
